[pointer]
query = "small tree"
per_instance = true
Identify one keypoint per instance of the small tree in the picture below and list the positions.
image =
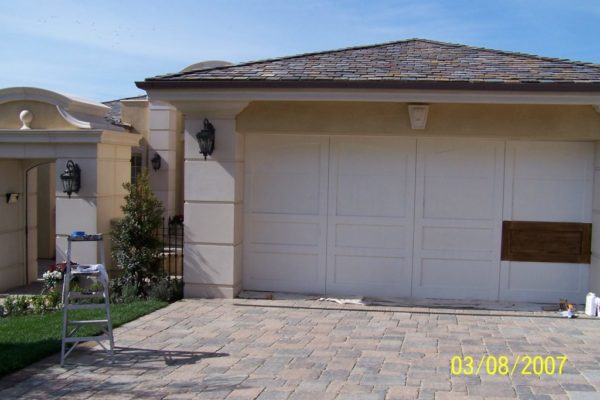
(136, 247)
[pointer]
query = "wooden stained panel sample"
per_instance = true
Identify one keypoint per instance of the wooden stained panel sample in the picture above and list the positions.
(561, 242)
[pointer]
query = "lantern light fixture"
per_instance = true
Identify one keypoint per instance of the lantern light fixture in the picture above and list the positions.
(206, 139)
(12, 197)
(71, 178)
(156, 162)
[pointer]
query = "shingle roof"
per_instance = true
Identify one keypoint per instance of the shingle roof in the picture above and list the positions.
(404, 63)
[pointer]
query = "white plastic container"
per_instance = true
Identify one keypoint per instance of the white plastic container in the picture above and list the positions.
(590, 304)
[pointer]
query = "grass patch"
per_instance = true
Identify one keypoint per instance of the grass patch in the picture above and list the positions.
(29, 338)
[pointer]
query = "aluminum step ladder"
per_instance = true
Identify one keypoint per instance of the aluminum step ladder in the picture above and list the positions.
(73, 300)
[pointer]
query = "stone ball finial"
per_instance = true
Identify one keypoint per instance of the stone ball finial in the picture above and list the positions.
(26, 117)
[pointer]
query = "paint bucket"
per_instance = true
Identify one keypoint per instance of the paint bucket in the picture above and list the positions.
(591, 307)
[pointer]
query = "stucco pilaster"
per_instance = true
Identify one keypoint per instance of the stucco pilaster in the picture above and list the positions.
(162, 137)
(96, 204)
(214, 206)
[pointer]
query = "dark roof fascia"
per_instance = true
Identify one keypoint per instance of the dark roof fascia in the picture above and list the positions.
(369, 84)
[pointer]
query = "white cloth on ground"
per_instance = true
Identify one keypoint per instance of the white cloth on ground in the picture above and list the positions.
(343, 301)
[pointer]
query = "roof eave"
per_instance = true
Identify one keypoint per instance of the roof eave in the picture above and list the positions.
(370, 84)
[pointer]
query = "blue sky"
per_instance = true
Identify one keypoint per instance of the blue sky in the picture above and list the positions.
(97, 49)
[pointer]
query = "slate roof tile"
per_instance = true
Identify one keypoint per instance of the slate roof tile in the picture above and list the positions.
(407, 60)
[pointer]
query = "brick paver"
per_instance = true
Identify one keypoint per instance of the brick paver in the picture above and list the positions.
(302, 349)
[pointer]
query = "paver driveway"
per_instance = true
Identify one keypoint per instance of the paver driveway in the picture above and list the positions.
(246, 349)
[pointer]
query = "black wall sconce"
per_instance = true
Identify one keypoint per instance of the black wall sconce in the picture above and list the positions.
(12, 197)
(71, 178)
(206, 139)
(156, 161)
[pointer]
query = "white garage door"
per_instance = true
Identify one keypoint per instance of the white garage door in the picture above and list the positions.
(379, 216)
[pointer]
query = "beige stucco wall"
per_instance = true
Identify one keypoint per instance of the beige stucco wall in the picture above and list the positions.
(161, 127)
(470, 120)
(12, 226)
(45, 116)
(179, 148)
(46, 198)
(135, 113)
(162, 140)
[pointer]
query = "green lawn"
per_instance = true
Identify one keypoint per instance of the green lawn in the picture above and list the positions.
(29, 338)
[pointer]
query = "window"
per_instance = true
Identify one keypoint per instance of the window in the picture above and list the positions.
(136, 166)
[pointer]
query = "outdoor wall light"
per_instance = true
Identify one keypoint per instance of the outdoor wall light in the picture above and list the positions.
(156, 161)
(12, 197)
(206, 139)
(71, 178)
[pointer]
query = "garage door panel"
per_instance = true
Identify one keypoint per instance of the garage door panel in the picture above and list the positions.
(455, 279)
(358, 199)
(284, 174)
(368, 252)
(456, 179)
(285, 213)
(552, 160)
(276, 194)
(370, 224)
(284, 271)
(458, 198)
(285, 233)
(391, 237)
(369, 275)
(458, 239)
(458, 218)
(478, 255)
(559, 196)
(445, 158)
(366, 270)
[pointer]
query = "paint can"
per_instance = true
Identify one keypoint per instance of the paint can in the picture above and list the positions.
(591, 307)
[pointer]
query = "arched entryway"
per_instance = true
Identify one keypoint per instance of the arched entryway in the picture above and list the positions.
(40, 215)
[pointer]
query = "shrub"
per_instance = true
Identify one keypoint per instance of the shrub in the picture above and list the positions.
(16, 305)
(136, 248)
(130, 293)
(167, 290)
(38, 304)
(122, 291)
(53, 299)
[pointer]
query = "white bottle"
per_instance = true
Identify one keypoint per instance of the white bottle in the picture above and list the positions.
(590, 304)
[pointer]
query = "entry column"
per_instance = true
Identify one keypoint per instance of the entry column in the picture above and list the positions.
(213, 209)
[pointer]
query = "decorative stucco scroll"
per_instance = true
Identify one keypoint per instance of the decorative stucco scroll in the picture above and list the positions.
(72, 120)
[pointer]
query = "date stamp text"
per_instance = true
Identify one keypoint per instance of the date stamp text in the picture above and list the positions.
(502, 365)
